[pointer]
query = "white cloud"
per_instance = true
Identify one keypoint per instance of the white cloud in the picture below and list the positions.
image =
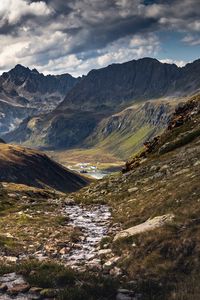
(192, 40)
(129, 48)
(13, 10)
(179, 63)
(117, 52)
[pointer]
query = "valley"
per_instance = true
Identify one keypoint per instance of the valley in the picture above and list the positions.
(102, 202)
(96, 161)
(99, 150)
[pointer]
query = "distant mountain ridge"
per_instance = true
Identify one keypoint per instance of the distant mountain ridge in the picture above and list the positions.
(25, 92)
(103, 93)
(141, 79)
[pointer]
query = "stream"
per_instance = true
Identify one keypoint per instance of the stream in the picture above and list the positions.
(94, 224)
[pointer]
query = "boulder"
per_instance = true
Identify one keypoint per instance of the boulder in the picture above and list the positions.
(149, 225)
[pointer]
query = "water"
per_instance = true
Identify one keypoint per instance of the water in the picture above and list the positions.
(94, 224)
(98, 175)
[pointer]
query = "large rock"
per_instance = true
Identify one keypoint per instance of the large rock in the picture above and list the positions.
(149, 225)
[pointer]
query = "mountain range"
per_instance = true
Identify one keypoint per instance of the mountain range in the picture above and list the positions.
(25, 92)
(94, 99)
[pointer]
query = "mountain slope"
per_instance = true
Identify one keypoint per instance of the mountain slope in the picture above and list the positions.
(25, 166)
(124, 133)
(25, 92)
(105, 92)
(118, 84)
(160, 259)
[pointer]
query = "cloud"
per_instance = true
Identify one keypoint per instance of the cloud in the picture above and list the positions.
(192, 40)
(77, 35)
(116, 52)
(11, 11)
(179, 63)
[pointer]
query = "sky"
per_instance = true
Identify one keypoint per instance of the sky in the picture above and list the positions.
(75, 36)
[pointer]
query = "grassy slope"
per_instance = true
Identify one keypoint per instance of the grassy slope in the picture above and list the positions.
(108, 153)
(164, 263)
(122, 145)
(130, 128)
(31, 167)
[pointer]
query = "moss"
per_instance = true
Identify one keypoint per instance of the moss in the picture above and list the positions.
(10, 245)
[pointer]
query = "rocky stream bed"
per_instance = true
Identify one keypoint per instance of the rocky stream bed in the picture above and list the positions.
(93, 223)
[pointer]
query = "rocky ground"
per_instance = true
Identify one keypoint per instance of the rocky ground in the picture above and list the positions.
(38, 227)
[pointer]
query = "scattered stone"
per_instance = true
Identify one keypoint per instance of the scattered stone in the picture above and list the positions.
(12, 195)
(8, 235)
(116, 272)
(35, 290)
(154, 168)
(132, 190)
(3, 287)
(64, 250)
(157, 175)
(197, 163)
(19, 288)
(125, 295)
(49, 293)
(69, 202)
(183, 171)
(110, 263)
(104, 252)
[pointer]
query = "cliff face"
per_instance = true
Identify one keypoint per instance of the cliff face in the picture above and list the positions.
(119, 84)
(141, 79)
(30, 82)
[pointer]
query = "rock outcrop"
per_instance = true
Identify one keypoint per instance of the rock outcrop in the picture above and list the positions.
(149, 225)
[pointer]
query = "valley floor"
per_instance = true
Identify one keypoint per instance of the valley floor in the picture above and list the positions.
(95, 161)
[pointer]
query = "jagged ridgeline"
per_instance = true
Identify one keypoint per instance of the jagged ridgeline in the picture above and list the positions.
(89, 109)
(25, 92)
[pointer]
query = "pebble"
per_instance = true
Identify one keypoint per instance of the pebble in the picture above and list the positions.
(134, 189)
